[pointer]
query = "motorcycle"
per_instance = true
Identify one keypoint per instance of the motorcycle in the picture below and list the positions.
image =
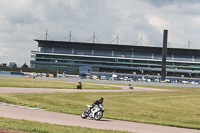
(130, 86)
(96, 112)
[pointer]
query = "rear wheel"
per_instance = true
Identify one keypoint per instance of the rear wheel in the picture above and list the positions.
(98, 115)
(84, 115)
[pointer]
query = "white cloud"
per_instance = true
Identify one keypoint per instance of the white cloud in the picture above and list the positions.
(22, 21)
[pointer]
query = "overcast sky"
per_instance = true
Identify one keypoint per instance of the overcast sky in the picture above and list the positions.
(21, 21)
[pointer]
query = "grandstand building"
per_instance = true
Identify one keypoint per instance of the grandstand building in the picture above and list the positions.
(115, 58)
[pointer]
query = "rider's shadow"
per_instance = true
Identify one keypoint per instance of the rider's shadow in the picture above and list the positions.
(103, 120)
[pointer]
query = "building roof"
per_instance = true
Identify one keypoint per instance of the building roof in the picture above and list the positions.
(42, 43)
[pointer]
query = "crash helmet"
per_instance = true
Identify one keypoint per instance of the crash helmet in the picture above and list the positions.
(101, 99)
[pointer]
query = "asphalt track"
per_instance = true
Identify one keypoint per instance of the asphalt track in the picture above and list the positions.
(33, 114)
(46, 90)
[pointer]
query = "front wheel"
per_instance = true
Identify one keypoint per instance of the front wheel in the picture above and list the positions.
(84, 115)
(98, 115)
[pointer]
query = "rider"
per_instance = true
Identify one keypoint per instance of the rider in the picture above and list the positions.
(130, 86)
(97, 102)
(79, 85)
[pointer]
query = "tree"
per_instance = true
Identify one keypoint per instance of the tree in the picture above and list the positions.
(25, 66)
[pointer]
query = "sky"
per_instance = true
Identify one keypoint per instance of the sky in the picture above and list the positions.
(135, 22)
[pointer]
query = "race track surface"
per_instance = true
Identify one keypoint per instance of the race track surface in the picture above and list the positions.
(75, 120)
(18, 112)
(46, 90)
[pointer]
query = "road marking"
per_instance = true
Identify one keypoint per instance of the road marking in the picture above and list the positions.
(24, 107)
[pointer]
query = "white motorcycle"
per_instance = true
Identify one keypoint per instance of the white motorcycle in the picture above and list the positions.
(96, 112)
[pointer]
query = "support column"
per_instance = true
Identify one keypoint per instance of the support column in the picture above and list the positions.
(164, 55)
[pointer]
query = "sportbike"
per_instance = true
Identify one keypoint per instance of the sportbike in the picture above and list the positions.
(96, 112)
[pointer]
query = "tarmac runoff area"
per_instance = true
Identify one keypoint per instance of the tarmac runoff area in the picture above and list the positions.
(34, 114)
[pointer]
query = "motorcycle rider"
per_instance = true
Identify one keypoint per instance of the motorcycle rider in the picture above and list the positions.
(130, 86)
(97, 102)
(79, 85)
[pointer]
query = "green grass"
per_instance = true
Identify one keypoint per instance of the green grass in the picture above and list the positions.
(39, 83)
(174, 108)
(37, 127)
(179, 107)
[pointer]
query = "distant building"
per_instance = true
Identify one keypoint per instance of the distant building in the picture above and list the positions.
(115, 58)
(12, 64)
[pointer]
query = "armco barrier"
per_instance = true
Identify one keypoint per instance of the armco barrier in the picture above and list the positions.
(5, 72)
(11, 72)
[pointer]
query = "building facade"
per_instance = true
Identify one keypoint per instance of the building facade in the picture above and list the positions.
(115, 58)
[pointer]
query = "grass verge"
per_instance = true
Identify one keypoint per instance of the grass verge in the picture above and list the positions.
(37, 127)
(173, 108)
(179, 107)
(42, 83)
